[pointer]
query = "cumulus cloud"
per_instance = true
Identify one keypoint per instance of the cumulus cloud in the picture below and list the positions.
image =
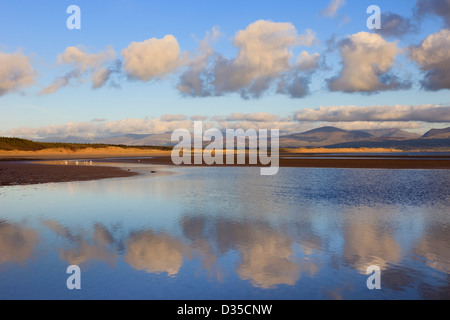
(98, 120)
(424, 113)
(257, 117)
(99, 66)
(265, 60)
(294, 86)
(194, 81)
(173, 117)
(366, 61)
(374, 125)
(295, 83)
(433, 58)
(16, 72)
(332, 8)
(198, 117)
(152, 59)
(434, 7)
(97, 130)
(264, 57)
(308, 62)
(258, 120)
(264, 53)
(345, 117)
(285, 127)
(394, 25)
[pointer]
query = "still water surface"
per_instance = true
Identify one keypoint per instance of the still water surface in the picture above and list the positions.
(229, 233)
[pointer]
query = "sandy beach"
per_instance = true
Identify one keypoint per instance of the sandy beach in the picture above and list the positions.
(88, 153)
(25, 173)
(20, 168)
(341, 161)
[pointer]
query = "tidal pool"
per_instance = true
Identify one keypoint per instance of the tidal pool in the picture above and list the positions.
(230, 233)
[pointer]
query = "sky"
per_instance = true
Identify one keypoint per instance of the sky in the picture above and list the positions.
(148, 67)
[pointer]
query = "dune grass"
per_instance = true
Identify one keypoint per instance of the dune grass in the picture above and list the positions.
(17, 144)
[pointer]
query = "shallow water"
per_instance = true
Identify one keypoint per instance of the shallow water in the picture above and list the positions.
(229, 233)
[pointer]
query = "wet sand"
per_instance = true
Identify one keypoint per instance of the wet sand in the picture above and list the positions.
(25, 173)
(344, 161)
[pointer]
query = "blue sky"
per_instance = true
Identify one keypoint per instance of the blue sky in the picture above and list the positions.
(37, 30)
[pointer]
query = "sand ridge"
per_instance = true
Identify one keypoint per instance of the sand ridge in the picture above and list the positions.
(93, 153)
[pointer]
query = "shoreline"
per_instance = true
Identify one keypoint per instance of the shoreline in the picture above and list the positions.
(14, 173)
(20, 171)
(321, 161)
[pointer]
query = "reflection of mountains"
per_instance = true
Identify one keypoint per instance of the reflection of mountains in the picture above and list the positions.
(331, 137)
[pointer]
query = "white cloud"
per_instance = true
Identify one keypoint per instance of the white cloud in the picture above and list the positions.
(425, 113)
(283, 126)
(307, 62)
(332, 8)
(193, 80)
(264, 53)
(83, 63)
(375, 125)
(97, 130)
(344, 117)
(256, 117)
(295, 83)
(173, 117)
(198, 117)
(264, 56)
(307, 39)
(366, 61)
(152, 59)
(433, 57)
(16, 72)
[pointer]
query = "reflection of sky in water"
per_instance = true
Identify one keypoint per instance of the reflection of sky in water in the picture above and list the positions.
(230, 233)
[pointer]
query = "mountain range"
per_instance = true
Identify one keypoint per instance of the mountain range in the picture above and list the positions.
(320, 137)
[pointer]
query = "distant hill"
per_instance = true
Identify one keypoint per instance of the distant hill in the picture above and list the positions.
(9, 144)
(163, 139)
(323, 136)
(68, 139)
(393, 134)
(410, 144)
(437, 134)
